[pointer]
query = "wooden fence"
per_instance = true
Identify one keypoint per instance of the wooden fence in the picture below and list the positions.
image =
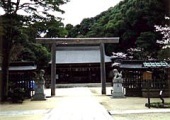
(136, 85)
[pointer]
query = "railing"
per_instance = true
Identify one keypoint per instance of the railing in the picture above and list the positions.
(134, 83)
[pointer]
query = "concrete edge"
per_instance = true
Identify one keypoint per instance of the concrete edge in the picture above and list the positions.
(117, 112)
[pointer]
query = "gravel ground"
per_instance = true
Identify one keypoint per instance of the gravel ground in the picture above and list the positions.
(111, 104)
(128, 104)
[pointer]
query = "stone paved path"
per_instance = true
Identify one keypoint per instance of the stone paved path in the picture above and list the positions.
(81, 104)
(68, 104)
(78, 104)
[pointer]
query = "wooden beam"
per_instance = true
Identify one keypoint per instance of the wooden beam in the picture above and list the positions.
(84, 41)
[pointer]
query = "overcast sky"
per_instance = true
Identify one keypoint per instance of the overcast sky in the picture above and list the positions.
(77, 10)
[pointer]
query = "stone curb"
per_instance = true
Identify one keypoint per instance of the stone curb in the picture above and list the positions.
(24, 112)
(117, 112)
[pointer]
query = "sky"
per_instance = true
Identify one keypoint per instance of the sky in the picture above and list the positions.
(77, 10)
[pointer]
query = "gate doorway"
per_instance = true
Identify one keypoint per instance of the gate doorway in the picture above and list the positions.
(59, 42)
(78, 64)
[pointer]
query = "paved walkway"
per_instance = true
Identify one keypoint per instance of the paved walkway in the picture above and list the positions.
(83, 103)
(131, 108)
(68, 104)
(78, 104)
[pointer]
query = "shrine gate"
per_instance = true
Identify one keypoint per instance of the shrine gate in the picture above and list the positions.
(59, 42)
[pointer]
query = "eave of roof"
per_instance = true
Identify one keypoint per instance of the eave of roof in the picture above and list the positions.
(156, 64)
(21, 68)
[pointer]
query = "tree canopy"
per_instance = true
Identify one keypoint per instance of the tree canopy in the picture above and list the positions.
(37, 18)
(35, 7)
(18, 32)
(131, 20)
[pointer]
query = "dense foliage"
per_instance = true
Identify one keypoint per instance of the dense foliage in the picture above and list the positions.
(131, 20)
(18, 32)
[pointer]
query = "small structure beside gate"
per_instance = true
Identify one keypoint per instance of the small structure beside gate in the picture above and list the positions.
(136, 85)
(21, 76)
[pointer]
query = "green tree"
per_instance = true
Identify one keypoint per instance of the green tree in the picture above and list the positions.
(164, 54)
(51, 28)
(55, 28)
(147, 43)
(11, 26)
(69, 28)
(11, 37)
(48, 28)
(128, 20)
(37, 53)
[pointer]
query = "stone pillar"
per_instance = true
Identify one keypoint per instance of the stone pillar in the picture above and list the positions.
(117, 85)
(39, 87)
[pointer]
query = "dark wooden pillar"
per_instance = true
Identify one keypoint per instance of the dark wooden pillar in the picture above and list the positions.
(102, 68)
(53, 68)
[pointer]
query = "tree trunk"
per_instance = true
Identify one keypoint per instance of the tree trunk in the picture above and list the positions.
(5, 71)
(1, 67)
(6, 45)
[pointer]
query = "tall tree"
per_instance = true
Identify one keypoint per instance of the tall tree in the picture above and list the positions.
(10, 37)
(128, 20)
(37, 10)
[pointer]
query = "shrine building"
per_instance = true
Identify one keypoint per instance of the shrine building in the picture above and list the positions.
(79, 64)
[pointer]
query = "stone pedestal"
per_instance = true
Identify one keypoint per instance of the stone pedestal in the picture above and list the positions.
(39, 88)
(117, 90)
(39, 91)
